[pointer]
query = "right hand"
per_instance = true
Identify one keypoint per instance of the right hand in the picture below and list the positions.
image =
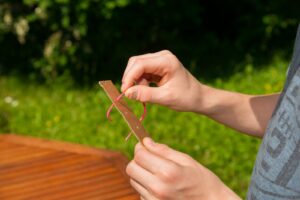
(160, 172)
(176, 87)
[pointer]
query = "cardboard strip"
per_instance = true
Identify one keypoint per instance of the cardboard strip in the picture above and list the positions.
(121, 105)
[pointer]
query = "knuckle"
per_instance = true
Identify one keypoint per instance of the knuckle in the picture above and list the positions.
(187, 157)
(165, 51)
(161, 192)
(171, 61)
(163, 148)
(132, 59)
(138, 61)
(170, 175)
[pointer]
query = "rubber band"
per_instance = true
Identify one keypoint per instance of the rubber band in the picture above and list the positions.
(113, 105)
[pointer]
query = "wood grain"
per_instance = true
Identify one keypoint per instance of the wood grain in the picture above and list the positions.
(32, 168)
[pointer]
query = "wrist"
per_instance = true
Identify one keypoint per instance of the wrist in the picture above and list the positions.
(203, 101)
(221, 191)
(227, 194)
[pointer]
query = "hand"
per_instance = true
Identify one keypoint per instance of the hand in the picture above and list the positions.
(176, 87)
(159, 172)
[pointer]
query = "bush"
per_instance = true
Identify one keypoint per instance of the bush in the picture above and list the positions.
(92, 39)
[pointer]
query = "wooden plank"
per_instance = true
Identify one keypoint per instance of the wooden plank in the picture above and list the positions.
(42, 169)
(45, 171)
(8, 167)
(57, 145)
(36, 186)
(87, 187)
(39, 169)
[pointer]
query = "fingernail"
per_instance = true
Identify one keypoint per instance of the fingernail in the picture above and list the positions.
(149, 141)
(134, 95)
(123, 87)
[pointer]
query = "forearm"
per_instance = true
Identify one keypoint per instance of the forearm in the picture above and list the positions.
(245, 113)
(226, 194)
(220, 190)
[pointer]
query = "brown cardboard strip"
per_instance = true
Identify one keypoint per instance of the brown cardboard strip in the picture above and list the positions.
(121, 105)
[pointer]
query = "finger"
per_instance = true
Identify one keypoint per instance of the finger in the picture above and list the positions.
(153, 65)
(145, 194)
(146, 79)
(143, 81)
(144, 177)
(166, 152)
(151, 78)
(134, 58)
(148, 94)
(152, 162)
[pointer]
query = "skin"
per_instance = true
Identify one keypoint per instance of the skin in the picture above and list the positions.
(159, 172)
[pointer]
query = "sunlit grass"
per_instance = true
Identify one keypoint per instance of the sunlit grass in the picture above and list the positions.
(78, 115)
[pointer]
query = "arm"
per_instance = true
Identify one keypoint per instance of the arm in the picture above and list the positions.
(179, 90)
(159, 172)
(246, 113)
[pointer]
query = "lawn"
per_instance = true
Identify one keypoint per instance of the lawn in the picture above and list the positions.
(78, 115)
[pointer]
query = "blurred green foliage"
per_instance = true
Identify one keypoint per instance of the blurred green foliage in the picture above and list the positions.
(78, 115)
(89, 40)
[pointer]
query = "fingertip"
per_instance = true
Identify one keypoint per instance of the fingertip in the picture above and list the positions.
(123, 87)
(149, 143)
(131, 93)
(126, 85)
(138, 146)
(127, 91)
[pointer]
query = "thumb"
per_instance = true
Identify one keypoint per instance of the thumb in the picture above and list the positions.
(166, 152)
(145, 93)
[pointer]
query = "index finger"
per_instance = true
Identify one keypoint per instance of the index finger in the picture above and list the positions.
(152, 65)
(151, 162)
(134, 58)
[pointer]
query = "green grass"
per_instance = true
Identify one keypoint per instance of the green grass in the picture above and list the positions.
(78, 116)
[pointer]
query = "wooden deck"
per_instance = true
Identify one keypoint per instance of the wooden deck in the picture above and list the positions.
(32, 169)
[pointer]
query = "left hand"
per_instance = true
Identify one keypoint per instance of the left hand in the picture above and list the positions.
(159, 172)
